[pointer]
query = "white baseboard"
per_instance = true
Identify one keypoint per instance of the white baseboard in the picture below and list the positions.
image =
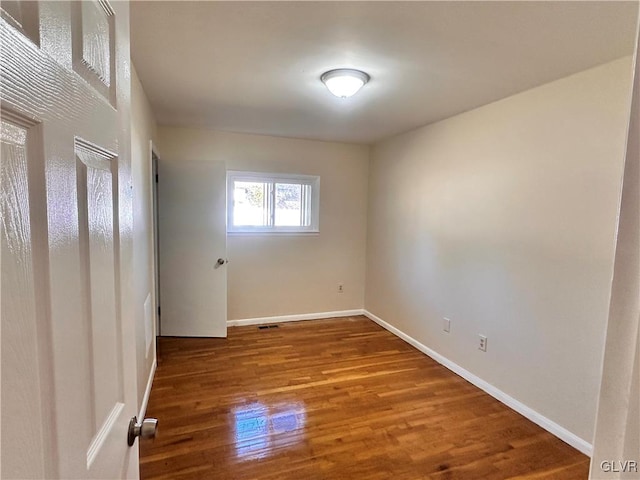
(147, 392)
(293, 318)
(550, 426)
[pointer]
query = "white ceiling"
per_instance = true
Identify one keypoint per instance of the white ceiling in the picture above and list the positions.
(254, 67)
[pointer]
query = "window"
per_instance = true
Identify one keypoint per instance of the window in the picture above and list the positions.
(263, 202)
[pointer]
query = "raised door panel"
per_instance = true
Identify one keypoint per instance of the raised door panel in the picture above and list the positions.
(93, 34)
(25, 376)
(24, 17)
(97, 192)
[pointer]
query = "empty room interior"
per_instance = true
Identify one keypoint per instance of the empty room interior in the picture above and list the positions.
(373, 240)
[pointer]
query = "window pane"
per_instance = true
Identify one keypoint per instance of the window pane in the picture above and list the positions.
(272, 203)
(289, 205)
(250, 204)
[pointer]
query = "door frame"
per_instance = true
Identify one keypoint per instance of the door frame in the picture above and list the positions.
(155, 159)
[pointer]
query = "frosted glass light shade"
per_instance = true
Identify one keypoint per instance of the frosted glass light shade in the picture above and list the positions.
(344, 82)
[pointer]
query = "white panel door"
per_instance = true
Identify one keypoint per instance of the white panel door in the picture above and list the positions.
(68, 348)
(193, 244)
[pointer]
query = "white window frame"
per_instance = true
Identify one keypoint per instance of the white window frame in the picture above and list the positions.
(314, 208)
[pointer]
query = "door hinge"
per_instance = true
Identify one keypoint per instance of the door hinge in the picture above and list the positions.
(156, 178)
(158, 310)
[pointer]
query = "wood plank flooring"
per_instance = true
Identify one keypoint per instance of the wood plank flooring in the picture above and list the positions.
(333, 399)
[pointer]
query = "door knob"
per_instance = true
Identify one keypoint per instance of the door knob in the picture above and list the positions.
(145, 429)
(221, 261)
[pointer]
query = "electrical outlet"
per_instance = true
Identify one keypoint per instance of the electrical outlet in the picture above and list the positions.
(446, 326)
(340, 288)
(482, 345)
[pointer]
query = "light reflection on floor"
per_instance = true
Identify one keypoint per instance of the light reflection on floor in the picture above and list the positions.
(260, 429)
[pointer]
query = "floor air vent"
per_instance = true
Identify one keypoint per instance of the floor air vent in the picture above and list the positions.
(264, 327)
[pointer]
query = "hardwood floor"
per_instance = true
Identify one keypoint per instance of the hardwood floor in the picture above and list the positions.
(333, 399)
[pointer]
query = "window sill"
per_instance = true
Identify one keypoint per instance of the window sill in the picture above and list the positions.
(274, 233)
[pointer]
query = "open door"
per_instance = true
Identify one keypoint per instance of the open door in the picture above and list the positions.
(68, 347)
(193, 244)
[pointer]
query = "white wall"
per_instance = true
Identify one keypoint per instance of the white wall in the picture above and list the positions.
(503, 219)
(143, 130)
(272, 275)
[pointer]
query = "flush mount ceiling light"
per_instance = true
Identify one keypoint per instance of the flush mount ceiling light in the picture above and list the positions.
(344, 82)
